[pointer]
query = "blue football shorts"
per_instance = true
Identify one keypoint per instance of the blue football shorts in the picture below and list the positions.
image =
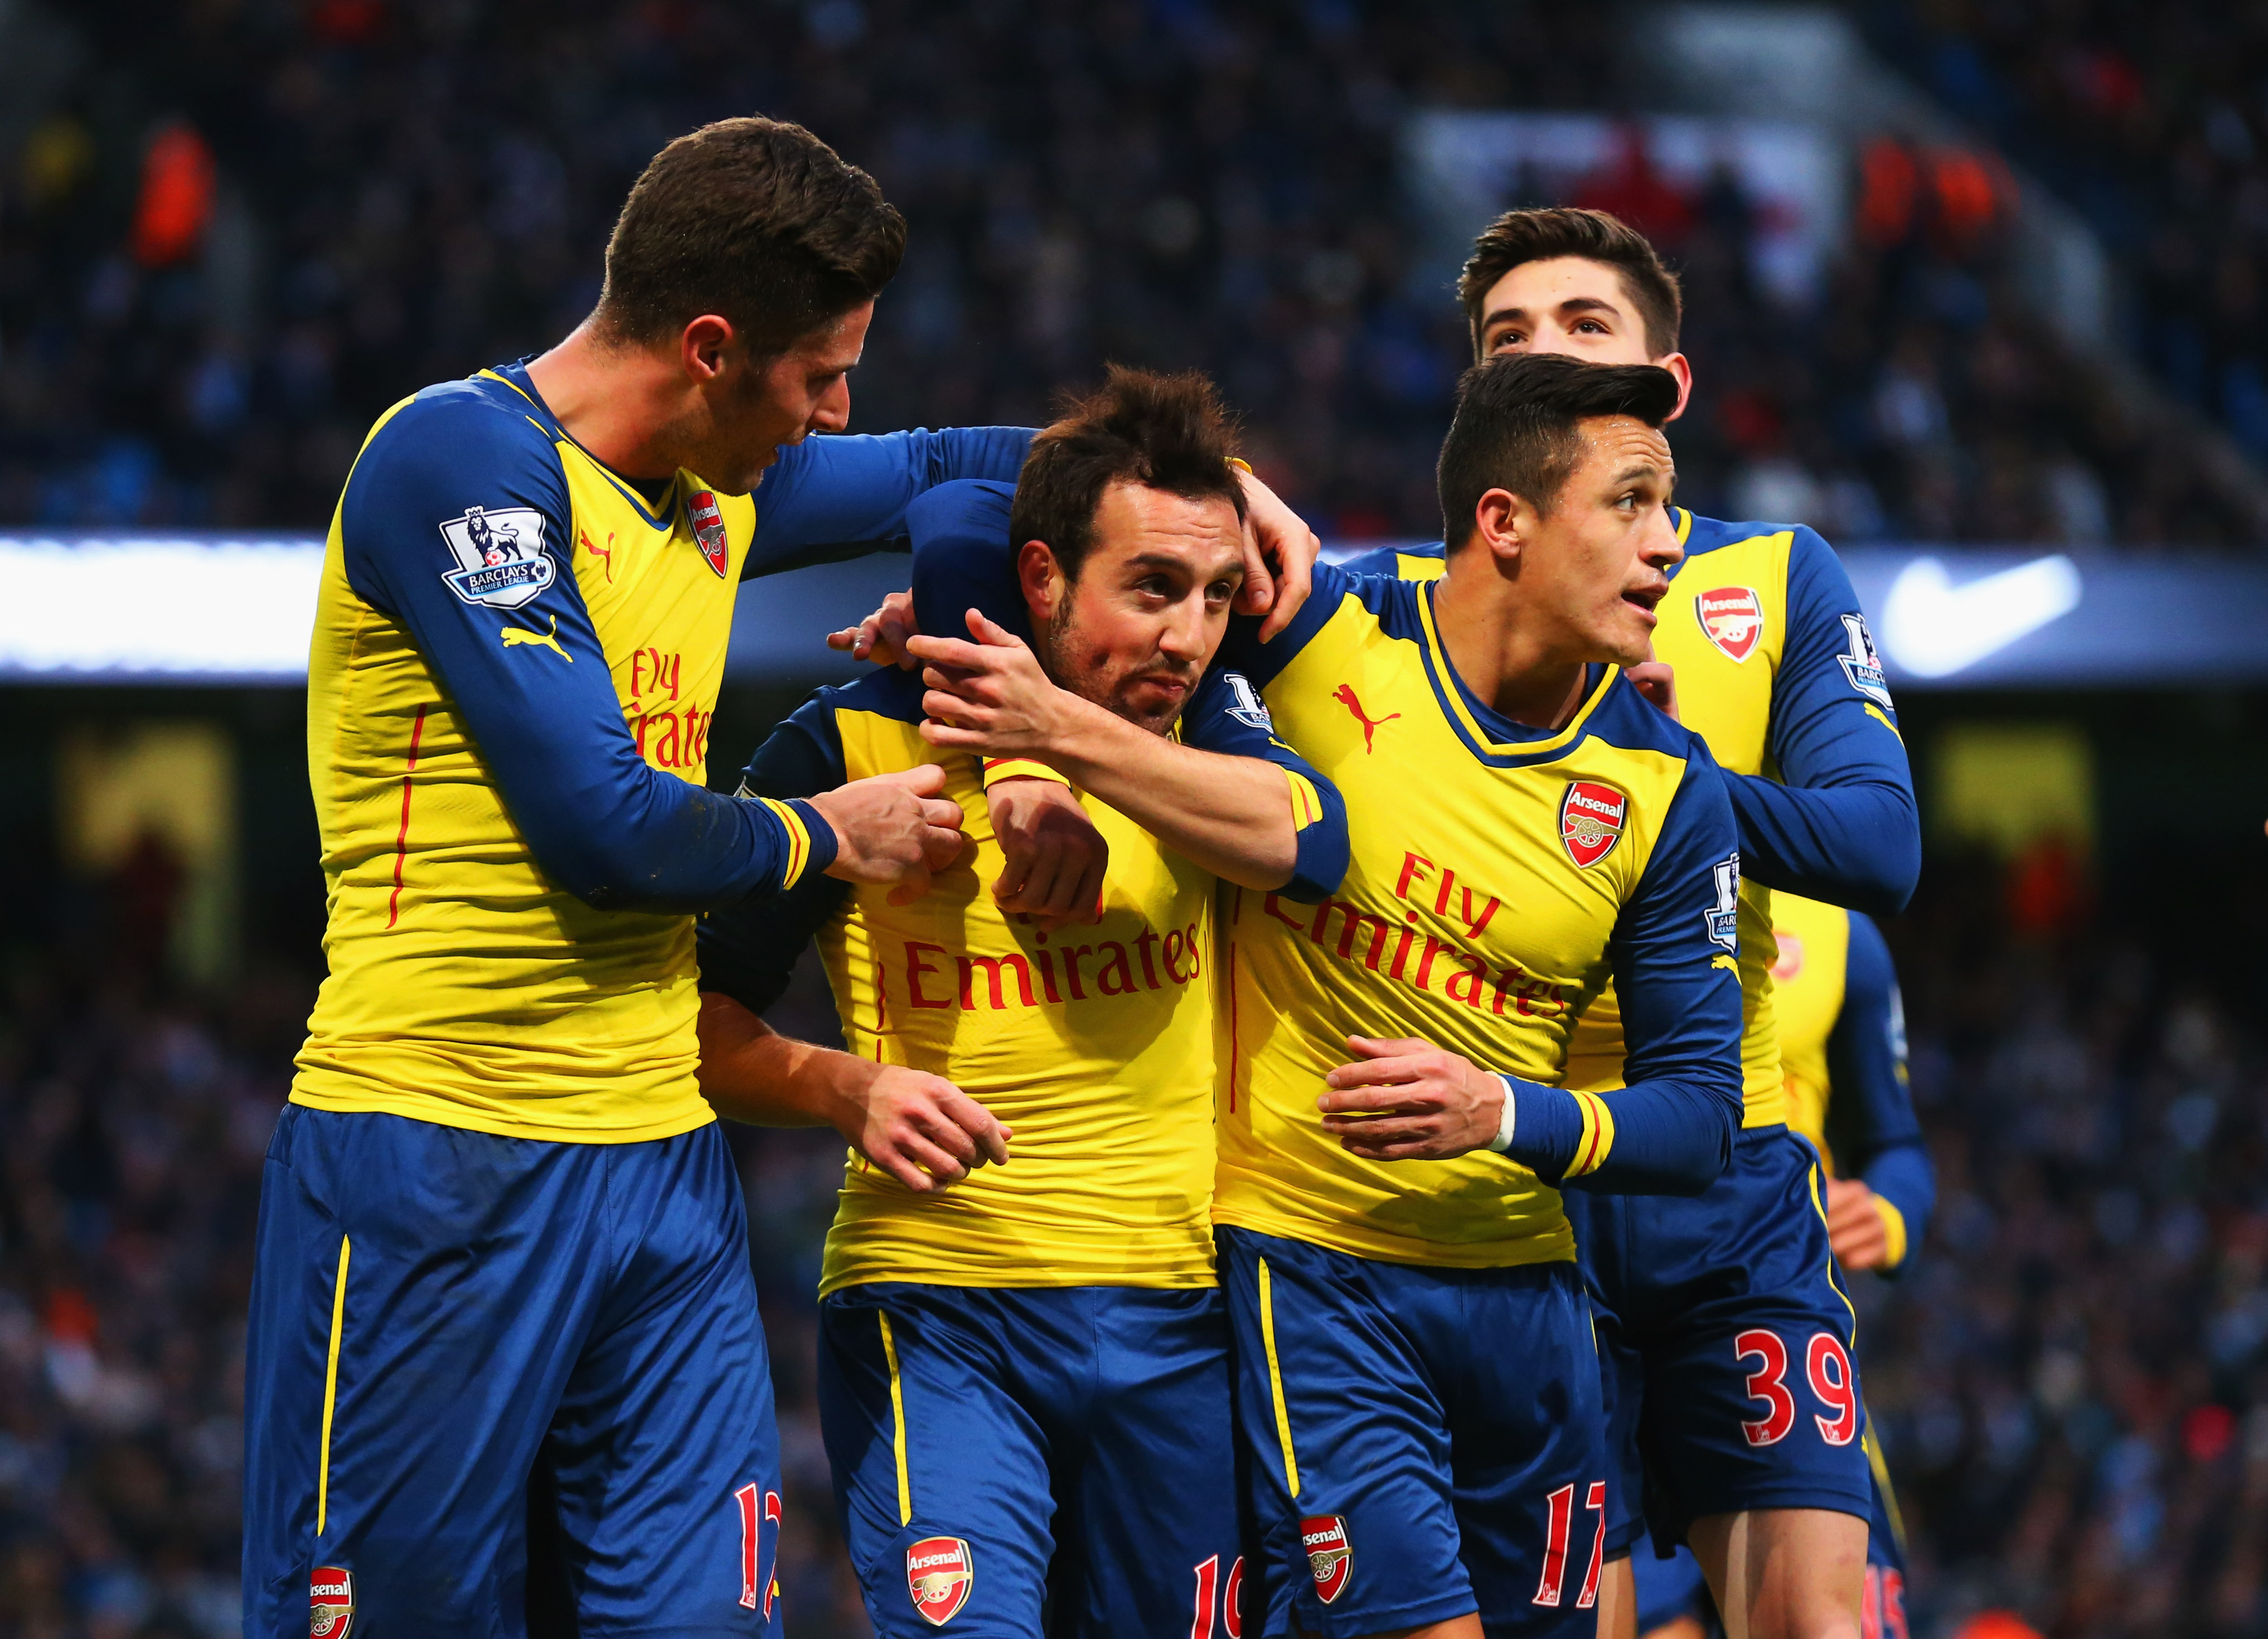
(1017, 1461)
(445, 1324)
(1727, 1343)
(1423, 1441)
(1669, 1588)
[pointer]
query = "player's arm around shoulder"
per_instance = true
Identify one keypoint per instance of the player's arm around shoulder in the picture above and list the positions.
(919, 1128)
(1840, 824)
(1228, 796)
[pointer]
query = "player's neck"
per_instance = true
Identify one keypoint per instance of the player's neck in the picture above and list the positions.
(623, 404)
(1503, 659)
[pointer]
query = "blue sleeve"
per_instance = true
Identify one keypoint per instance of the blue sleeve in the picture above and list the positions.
(1871, 1125)
(1840, 823)
(748, 951)
(840, 496)
(963, 559)
(1388, 560)
(1378, 560)
(1227, 716)
(1669, 1129)
(601, 823)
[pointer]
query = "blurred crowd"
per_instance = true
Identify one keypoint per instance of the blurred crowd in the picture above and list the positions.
(2154, 121)
(237, 230)
(2072, 1383)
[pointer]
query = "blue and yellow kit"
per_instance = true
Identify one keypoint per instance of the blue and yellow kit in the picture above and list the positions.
(1778, 673)
(1499, 876)
(1842, 1034)
(1843, 1041)
(515, 666)
(516, 661)
(1033, 1364)
(1777, 670)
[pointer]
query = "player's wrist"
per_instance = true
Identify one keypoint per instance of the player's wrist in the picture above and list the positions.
(1509, 1120)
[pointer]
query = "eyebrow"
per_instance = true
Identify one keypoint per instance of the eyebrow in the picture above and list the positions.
(1647, 469)
(1573, 304)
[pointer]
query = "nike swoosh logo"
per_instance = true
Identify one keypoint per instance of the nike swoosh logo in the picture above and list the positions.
(1933, 629)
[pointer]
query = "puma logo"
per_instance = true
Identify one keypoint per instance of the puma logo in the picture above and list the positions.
(605, 554)
(515, 635)
(1345, 695)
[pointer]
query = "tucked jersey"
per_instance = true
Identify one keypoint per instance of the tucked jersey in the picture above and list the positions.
(515, 664)
(1843, 1041)
(1777, 671)
(1498, 876)
(1094, 1044)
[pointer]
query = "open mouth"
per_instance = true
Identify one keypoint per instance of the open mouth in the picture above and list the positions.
(1644, 600)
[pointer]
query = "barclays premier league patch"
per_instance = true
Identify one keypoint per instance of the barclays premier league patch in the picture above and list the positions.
(330, 1602)
(1861, 663)
(501, 561)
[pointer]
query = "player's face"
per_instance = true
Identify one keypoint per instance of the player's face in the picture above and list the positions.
(1600, 562)
(1574, 306)
(1138, 628)
(805, 390)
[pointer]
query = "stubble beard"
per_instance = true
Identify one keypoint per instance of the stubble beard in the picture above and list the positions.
(1057, 647)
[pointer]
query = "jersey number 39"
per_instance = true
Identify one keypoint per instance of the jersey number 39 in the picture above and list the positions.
(1827, 1367)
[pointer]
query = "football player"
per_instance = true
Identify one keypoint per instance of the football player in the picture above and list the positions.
(1415, 1377)
(1025, 1385)
(1842, 1031)
(501, 1239)
(1727, 1339)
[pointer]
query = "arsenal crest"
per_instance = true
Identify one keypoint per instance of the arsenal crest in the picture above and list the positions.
(1330, 1556)
(939, 1575)
(330, 1602)
(1790, 957)
(1591, 820)
(1732, 618)
(708, 529)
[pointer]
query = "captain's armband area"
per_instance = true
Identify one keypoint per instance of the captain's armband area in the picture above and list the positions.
(1319, 833)
(998, 769)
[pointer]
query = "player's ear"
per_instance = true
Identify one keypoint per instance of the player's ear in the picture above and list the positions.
(1504, 523)
(1041, 578)
(702, 346)
(1677, 365)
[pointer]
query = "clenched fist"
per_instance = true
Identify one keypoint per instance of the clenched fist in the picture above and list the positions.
(893, 828)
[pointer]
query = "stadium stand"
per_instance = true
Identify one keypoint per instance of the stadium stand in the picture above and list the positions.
(233, 235)
(2150, 122)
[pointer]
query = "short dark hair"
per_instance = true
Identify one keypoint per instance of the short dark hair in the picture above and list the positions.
(756, 220)
(1540, 234)
(1519, 427)
(1166, 432)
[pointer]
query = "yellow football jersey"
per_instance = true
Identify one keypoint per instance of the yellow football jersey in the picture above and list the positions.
(1499, 876)
(1093, 1045)
(502, 616)
(1813, 954)
(1756, 613)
